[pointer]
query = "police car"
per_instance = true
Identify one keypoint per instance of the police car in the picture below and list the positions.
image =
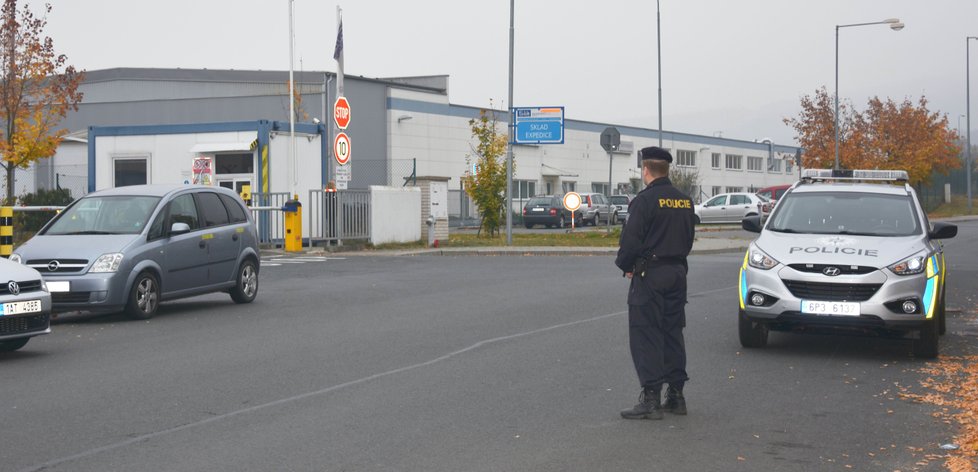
(847, 249)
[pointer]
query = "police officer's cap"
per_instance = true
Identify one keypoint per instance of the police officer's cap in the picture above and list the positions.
(655, 152)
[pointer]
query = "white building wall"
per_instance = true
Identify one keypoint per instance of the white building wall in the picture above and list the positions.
(394, 215)
(307, 174)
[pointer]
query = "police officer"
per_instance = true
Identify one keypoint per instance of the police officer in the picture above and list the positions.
(652, 253)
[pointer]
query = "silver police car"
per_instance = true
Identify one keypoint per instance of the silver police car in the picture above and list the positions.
(846, 249)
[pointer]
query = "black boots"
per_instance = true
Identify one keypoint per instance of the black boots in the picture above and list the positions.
(675, 402)
(649, 407)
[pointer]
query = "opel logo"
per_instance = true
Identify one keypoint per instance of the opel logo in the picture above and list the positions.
(831, 271)
(53, 266)
(13, 287)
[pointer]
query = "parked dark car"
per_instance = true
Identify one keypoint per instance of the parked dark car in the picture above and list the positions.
(129, 248)
(548, 210)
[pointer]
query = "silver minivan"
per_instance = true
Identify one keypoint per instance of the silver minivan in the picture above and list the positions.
(128, 248)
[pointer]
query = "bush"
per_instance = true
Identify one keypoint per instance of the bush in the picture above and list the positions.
(29, 222)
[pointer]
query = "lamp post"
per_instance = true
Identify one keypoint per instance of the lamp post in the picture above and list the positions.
(895, 25)
(658, 45)
(967, 122)
(509, 143)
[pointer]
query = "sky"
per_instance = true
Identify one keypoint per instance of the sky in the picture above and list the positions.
(734, 69)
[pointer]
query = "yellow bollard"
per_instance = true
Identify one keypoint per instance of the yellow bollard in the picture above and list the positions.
(6, 231)
(293, 225)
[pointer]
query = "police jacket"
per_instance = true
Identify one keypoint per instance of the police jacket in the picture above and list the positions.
(660, 223)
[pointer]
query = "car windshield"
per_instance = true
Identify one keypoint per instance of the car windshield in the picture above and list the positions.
(539, 201)
(619, 200)
(105, 215)
(867, 214)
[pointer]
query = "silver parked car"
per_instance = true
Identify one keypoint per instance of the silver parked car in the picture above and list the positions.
(846, 249)
(621, 203)
(128, 248)
(596, 209)
(25, 305)
(728, 208)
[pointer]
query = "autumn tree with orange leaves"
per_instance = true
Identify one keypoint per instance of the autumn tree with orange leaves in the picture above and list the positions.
(37, 89)
(887, 135)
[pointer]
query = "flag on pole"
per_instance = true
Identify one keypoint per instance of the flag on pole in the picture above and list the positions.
(338, 51)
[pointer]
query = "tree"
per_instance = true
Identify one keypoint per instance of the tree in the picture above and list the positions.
(886, 136)
(487, 185)
(686, 179)
(37, 89)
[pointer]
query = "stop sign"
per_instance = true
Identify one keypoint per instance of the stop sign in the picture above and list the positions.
(341, 113)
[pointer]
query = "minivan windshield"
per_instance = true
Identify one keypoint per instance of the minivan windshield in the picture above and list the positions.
(105, 215)
(866, 214)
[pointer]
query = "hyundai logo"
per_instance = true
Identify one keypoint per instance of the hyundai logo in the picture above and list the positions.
(53, 266)
(13, 288)
(831, 271)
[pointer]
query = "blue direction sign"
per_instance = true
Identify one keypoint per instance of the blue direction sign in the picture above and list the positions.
(539, 125)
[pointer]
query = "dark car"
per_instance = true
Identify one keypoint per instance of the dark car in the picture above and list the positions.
(128, 248)
(548, 210)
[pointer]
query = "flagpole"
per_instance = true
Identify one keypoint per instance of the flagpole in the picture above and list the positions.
(292, 182)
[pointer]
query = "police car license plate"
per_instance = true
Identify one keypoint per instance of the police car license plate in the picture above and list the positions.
(815, 307)
(17, 308)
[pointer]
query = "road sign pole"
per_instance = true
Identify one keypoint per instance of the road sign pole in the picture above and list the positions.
(609, 191)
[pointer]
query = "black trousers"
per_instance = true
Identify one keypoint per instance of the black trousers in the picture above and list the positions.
(656, 318)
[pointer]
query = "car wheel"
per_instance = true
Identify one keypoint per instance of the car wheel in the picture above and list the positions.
(528, 226)
(246, 287)
(696, 219)
(926, 346)
(561, 222)
(752, 333)
(548, 226)
(594, 222)
(144, 297)
(13, 345)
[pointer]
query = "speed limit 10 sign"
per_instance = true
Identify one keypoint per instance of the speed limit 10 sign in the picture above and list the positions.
(341, 149)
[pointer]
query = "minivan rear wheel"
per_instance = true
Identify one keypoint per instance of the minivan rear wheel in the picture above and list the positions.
(144, 297)
(246, 287)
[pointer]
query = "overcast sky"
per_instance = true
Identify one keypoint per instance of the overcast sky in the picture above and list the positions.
(735, 68)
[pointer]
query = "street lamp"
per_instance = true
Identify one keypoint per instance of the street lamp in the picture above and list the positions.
(895, 25)
(967, 122)
(658, 45)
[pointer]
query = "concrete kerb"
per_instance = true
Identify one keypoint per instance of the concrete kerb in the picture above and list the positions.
(700, 246)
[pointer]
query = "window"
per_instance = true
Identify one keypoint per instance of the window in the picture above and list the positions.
(716, 188)
(735, 162)
(239, 163)
(755, 164)
(686, 158)
(235, 211)
(523, 189)
(130, 171)
(739, 200)
(715, 160)
(788, 165)
(568, 186)
(212, 209)
(735, 189)
(716, 201)
(156, 229)
(775, 166)
(599, 188)
(183, 210)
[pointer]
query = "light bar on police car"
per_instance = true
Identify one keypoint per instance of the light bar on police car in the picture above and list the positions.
(853, 174)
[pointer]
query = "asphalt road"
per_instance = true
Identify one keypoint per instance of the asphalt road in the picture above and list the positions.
(440, 363)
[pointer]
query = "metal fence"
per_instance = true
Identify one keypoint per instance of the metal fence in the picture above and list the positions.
(933, 194)
(266, 209)
(335, 216)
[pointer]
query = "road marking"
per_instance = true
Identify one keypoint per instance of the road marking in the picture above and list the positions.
(302, 396)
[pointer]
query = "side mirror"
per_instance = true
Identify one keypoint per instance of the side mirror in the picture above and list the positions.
(943, 231)
(752, 224)
(179, 228)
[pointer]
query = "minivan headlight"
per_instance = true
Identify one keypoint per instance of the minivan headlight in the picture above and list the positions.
(758, 259)
(911, 265)
(14, 258)
(44, 285)
(107, 263)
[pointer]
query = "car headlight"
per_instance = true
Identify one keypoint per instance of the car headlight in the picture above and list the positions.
(911, 265)
(107, 263)
(44, 285)
(759, 260)
(14, 258)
